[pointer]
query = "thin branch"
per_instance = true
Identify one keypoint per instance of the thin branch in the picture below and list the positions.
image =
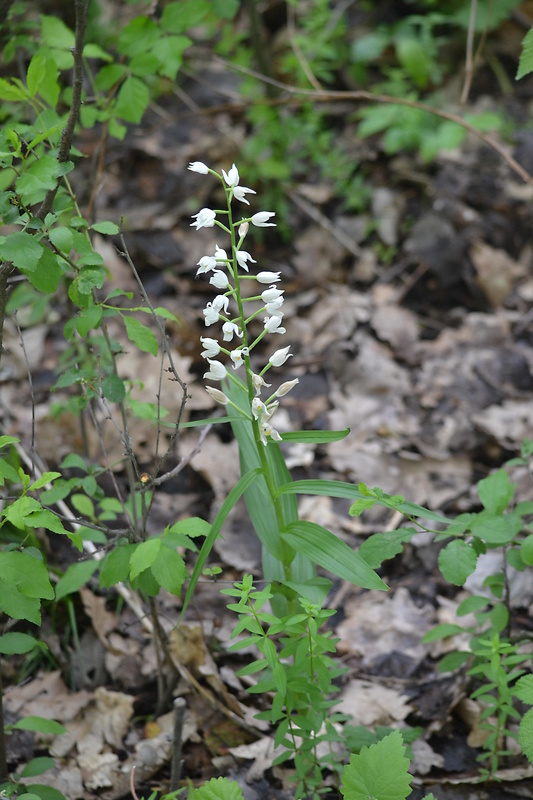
(291, 31)
(298, 95)
(183, 461)
(67, 135)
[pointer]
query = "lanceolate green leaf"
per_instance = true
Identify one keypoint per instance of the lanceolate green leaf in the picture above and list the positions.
(315, 437)
(351, 492)
(331, 553)
(238, 490)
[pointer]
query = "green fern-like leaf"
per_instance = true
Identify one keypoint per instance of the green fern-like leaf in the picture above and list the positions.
(525, 65)
(217, 789)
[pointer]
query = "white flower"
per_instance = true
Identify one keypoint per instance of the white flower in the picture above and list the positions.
(217, 395)
(198, 166)
(268, 277)
(221, 257)
(204, 219)
(272, 325)
(267, 430)
(230, 329)
(211, 314)
(278, 358)
(232, 177)
(258, 408)
(242, 257)
(258, 383)
(219, 279)
(206, 264)
(240, 191)
(261, 219)
(274, 308)
(221, 302)
(286, 387)
(243, 229)
(217, 371)
(271, 295)
(212, 347)
(237, 356)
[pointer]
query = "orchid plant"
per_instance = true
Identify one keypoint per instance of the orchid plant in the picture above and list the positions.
(291, 547)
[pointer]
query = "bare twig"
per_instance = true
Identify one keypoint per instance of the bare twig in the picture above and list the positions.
(291, 30)
(469, 59)
(183, 461)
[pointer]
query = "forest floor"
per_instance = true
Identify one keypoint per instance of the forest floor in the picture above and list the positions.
(410, 324)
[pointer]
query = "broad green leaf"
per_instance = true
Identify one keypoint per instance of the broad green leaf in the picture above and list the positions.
(39, 724)
(379, 771)
(43, 518)
(133, 99)
(90, 276)
(22, 249)
(109, 76)
(75, 576)
(17, 605)
(7, 440)
(526, 550)
(496, 529)
(331, 553)
(137, 36)
(141, 336)
(168, 569)
(457, 561)
(113, 389)
(47, 276)
(237, 491)
(415, 59)
(525, 65)
(88, 319)
(29, 575)
(192, 527)
(42, 78)
(10, 91)
(116, 566)
(47, 477)
(17, 512)
(169, 52)
(381, 546)
(7, 472)
(91, 50)
(108, 228)
(12, 643)
(144, 556)
(315, 437)
(178, 17)
(37, 766)
(441, 632)
(55, 33)
(45, 792)
(496, 492)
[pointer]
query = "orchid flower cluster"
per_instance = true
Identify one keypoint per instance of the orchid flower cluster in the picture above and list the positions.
(226, 274)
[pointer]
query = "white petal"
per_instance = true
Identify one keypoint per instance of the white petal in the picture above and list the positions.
(198, 166)
(261, 219)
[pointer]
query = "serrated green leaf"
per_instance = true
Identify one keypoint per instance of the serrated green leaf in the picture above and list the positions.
(379, 771)
(496, 529)
(88, 319)
(457, 561)
(193, 526)
(13, 643)
(379, 547)
(217, 789)
(325, 549)
(141, 336)
(523, 689)
(75, 576)
(525, 735)
(525, 64)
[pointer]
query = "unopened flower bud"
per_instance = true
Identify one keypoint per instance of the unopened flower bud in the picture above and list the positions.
(278, 358)
(243, 229)
(198, 166)
(286, 387)
(217, 395)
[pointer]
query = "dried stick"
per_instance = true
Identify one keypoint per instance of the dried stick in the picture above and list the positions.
(469, 59)
(176, 762)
